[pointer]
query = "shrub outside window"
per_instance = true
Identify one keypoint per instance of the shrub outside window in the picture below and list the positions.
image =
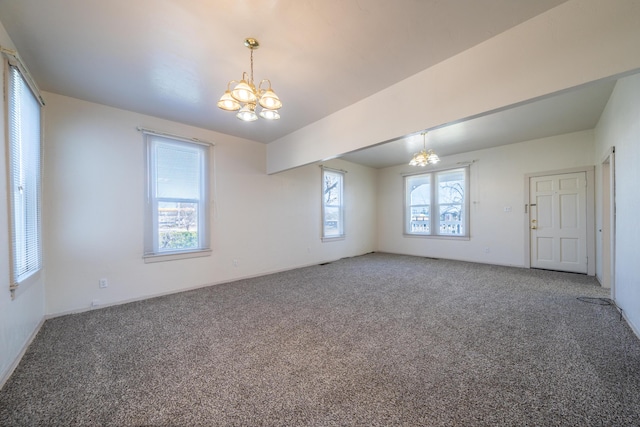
(436, 203)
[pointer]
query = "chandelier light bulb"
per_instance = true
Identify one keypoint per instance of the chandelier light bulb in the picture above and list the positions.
(247, 113)
(269, 114)
(243, 92)
(270, 100)
(228, 103)
(432, 157)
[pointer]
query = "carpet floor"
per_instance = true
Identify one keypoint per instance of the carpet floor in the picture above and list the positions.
(375, 340)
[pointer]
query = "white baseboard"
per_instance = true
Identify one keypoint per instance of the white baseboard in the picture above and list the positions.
(7, 374)
(161, 294)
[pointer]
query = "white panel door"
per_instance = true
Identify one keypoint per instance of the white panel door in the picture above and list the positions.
(558, 222)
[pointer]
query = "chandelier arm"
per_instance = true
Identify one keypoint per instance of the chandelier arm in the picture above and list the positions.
(262, 91)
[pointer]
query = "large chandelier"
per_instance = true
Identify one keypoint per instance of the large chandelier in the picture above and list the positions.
(424, 157)
(245, 97)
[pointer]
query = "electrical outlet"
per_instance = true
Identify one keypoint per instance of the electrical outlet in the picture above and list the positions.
(103, 283)
(236, 263)
(95, 303)
(486, 250)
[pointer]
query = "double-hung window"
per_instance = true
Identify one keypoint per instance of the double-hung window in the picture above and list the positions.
(332, 204)
(25, 191)
(177, 197)
(437, 203)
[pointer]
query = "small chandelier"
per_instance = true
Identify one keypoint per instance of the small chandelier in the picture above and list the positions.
(245, 97)
(424, 157)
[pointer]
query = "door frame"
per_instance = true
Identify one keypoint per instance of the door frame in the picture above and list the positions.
(608, 204)
(590, 204)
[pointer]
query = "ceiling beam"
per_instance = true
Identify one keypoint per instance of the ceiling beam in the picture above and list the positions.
(575, 43)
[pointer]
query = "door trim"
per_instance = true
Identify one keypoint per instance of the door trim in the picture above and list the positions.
(590, 190)
(608, 205)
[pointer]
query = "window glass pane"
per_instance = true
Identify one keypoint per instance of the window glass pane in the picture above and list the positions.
(178, 171)
(451, 220)
(332, 221)
(177, 226)
(451, 189)
(419, 200)
(420, 190)
(332, 204)
(420, 220)
(332, 189)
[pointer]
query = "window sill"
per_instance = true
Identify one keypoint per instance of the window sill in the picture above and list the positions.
(333, 239)
(26, 283)
(438, 237)
(172, 256)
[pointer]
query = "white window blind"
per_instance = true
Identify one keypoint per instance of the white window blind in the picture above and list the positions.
(24, 131)
(177, 201)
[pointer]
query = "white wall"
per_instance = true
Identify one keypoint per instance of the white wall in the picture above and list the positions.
(94, 174)
(619, 126)
(497, 180)
(575, 43)
(20, 318)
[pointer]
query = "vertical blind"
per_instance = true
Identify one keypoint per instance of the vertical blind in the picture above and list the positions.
(24, 177)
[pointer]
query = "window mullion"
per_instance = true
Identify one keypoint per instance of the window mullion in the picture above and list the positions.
(435, 208)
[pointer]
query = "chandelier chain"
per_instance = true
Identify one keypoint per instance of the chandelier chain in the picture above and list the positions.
(251, 76)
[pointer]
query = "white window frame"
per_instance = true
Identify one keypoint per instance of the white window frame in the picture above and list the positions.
(24, 170)
(328, 236)
(152, 250)
(434, 206)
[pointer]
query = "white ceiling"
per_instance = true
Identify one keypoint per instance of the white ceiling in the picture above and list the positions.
(173, 58)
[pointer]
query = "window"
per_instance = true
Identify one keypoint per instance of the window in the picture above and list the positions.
(436, 204)
(177, 196)
(332, 204)
(24, 138)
